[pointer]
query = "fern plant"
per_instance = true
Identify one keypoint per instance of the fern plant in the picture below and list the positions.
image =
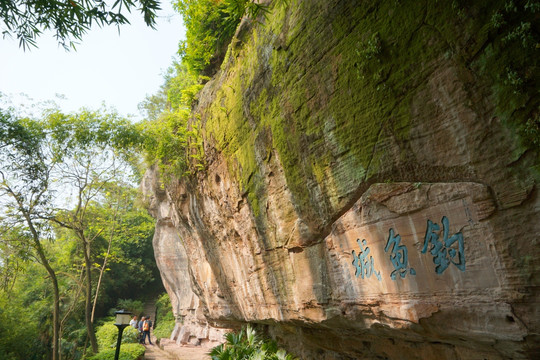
(247, 345)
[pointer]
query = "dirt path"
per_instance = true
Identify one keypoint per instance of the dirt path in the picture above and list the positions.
(175, 352)
(155, 353)
(168, 350)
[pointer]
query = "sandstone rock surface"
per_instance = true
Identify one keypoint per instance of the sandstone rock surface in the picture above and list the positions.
(350, 214)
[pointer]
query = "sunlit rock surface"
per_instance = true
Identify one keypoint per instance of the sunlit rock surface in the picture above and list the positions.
(354, 214)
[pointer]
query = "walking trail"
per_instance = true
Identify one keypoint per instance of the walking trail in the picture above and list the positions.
(168, 349)
(176, 352)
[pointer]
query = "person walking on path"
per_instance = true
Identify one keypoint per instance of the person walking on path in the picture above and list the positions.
(147, 325)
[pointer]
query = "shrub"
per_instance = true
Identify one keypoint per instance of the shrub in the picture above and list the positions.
(130, 336)
(107, 335)
(163, 306)
(165, 326)
(247, 345)
(164, 318)
(127, 352)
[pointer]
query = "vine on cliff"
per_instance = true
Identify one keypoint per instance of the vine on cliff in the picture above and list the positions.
(174, 140)
(512, 63)
(171, 141)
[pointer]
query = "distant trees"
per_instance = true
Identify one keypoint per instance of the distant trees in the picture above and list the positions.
(70, 178)
(88, 146)
(70, 20)
(25, 195)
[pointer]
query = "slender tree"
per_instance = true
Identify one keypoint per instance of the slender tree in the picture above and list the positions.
(25, 192)
(91, 157)
(117, 203)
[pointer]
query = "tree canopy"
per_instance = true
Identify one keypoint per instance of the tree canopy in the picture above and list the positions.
(69, 20)
(68, 201)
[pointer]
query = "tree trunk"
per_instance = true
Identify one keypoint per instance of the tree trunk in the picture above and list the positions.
(88, 302)
(101, 271)
(56, 294)
(54, 281)
(105, 259)
(66, 314)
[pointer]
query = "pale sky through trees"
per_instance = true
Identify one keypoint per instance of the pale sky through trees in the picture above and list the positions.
(118, 69)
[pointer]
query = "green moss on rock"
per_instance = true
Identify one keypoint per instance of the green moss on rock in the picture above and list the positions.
(326, 80)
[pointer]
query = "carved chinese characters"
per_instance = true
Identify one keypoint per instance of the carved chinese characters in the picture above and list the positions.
(398, 257)
(362, 263)
(446, 250)
(442, 251)
(430, 249)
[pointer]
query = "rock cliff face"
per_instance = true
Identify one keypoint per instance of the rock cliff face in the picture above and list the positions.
(361, 197)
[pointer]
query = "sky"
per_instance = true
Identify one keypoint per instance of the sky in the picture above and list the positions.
(118, 69)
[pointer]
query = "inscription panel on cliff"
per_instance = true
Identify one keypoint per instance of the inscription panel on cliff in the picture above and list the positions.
(442, 248)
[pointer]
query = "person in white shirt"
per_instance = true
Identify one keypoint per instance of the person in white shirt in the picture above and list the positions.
(133, 322)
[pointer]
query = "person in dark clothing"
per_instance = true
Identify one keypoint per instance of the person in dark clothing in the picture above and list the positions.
(146, 326)
(139, 327)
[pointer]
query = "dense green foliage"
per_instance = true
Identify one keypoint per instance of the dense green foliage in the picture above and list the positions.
(131, 271)
(101, 231)
(170, 141)
(165, 326)
(210, 26)
(247, 345)
(133, 306)
(70, 20)
(25, 317)
(107, 335)
(127, 352)
(164, 322)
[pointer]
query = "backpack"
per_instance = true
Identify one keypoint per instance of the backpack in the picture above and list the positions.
(145, 326)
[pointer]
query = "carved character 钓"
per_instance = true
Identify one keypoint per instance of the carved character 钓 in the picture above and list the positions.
(449, 250)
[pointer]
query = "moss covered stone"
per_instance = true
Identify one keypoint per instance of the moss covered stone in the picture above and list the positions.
(328, 82)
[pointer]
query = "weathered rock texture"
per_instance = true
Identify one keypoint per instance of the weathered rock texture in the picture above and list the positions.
(191, 325)
(337, 122)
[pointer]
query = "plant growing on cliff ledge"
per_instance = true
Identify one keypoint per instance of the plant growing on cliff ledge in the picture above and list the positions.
(210, 27)
(171, 141)
(166, 142)
(371, 48)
